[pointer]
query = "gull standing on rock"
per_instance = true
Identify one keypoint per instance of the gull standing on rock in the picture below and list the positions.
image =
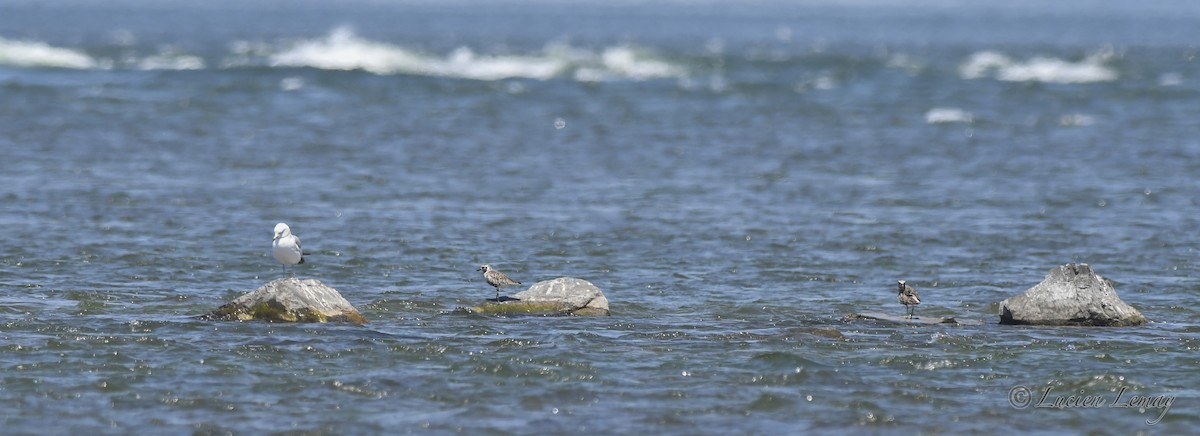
(496, 278)
(908, 297)
(286, 247)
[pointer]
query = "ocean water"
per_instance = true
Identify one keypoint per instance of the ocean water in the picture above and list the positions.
(736, 177)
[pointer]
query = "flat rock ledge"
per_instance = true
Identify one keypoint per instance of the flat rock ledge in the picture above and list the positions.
(561, 296)
(1071, 295)
(290, 300)
(876, 316)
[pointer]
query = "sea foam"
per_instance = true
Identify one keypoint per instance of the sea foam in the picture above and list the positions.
(939, 115)
(171, 60)
(33, 54)
(343, 50)
(1038, 69)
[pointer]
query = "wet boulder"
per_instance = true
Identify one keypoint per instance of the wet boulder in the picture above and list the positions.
(564, 295)
(1071, 294)
(877, 316)
(290, 300)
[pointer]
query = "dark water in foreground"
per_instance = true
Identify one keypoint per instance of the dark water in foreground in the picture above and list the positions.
(736, 179)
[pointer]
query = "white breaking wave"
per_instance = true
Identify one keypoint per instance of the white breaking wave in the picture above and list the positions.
(35, 54)
(464, 63)
(32, 54)
(624, 62)
(171, 61)
(947, 115)
(343, 50)
(1037, 69)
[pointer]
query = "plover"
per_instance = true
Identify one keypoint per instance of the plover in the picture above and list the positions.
(286, 246)
(496, 278)
(908, 297)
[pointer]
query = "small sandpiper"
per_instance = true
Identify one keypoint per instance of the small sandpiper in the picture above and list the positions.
(496, 278)
(908, 297)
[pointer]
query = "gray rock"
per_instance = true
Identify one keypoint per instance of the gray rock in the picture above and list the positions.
(290, 300)
(1071, 294)
(877, 316)
(562, 295)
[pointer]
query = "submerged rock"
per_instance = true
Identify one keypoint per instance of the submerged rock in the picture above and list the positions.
(290, 300)
(564, 295)
(876, 316)
(1071, 294)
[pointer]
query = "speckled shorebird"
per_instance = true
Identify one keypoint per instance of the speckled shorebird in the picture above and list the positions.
(908, 297)
(496, 278)
(286, 247)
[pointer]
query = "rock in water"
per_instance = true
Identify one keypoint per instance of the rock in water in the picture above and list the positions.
(1071, 294)
(290, 300)
(876, 316)
(564, 295)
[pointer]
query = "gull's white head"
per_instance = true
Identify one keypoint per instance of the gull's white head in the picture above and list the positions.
(282, 230)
